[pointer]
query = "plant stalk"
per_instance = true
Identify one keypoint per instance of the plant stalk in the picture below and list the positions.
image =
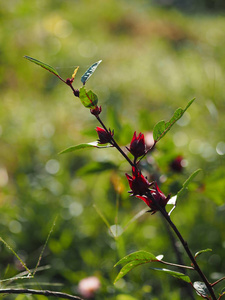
(190, 255)
(114, 143)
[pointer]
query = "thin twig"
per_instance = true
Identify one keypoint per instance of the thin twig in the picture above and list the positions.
(219, 280)
(175, 265)
(114, 143)
(40, 292)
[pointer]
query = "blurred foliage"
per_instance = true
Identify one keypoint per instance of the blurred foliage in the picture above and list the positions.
(155, 59)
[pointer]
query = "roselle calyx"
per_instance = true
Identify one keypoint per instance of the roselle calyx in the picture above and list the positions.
(137, 146)
(96, 111)
(104, 136)
(152, 196)
(138, 183)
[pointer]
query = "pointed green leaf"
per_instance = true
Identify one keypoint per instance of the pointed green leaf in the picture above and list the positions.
(82, 146)
(174, 274)
(43, 65)
(162, 127)
(127, 268)
(202, 251)
(201, 288)
(88, 99)
(133, 260)
(174, 199)
(186, 183)
(89, 72)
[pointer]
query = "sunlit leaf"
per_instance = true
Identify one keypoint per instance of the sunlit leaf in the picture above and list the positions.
(201, 288)
(202, 251)
(88, 99)
(159, 257)
(75, 72)
(162, 127)
(174, 274)
(83, 146)
(172, 201)
(89, 72)
(133, 260)
(43, 65)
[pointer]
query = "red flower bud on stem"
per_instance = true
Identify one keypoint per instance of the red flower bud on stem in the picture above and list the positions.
(155, 195)
(104, 136)
(138, 183)
(137, 146)
(96, 111)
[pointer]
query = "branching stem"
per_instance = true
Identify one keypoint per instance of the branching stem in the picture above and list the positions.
(114, 143)
(176, 265)
(40, 292)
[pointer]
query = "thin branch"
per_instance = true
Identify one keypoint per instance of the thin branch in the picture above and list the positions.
(218, 281)
(114, 143)
(185, 245)
(175, 265)
(40, 292)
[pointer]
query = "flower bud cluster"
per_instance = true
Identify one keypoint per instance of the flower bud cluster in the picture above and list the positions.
(140, 188)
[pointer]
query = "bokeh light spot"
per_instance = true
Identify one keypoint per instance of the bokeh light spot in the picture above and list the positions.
(15, 226)
(52, 166)
(220, 148)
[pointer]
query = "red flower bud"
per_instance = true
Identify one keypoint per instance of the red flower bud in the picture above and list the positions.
(104, 136)
(96, 111)
(138, 183)
(137, 145)
(155, 196)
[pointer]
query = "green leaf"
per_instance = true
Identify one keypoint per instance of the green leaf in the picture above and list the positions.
(43, 65)
(133, 260)
(88, 99)
(201, 288)
(89, 72)
(202, 251)
(174, 274)
(83, 146)
(186, 183)
(174, 199)
(138, 255)
(162, 127)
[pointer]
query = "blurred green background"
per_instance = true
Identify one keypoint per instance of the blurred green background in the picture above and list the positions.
(157, 55)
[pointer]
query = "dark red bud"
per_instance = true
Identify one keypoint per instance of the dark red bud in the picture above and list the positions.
(104, 136)
(137, 145)
(96, 111)
(155, 196)
(138, 183)
(69, 81)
